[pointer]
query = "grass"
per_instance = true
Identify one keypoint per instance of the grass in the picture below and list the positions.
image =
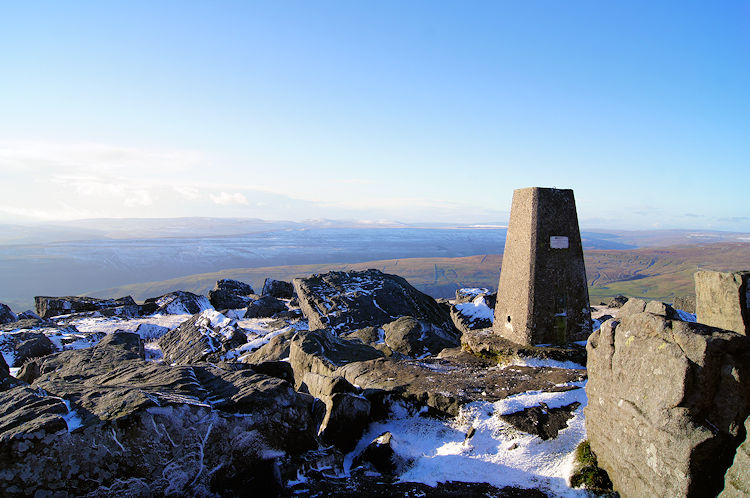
(589, 475)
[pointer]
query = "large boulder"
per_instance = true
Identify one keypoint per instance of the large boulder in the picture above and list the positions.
(206, 336)
(176, 303)
(617, 301)
(275, 349)
(278, 289)
(6, 314)
(414, 337)
(230, 294)
(737, 478)
(666, 404)
(632, 306)
(346, 301)
(24, 345)
(322, 352)
(722, 300)
(104, 422)
(265, 307)
(472, 315)
(7, 381)
(47, 306)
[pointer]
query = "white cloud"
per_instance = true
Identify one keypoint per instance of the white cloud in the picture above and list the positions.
(190, 193)
(226, 199)
(138, 198)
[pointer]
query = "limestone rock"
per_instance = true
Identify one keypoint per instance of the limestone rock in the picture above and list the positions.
(666, 404)
(321, 352)
(6, 314)
(47, 306)
(176, 303)
(265, 307)
(737, 478)
(230, 294)
(278, 289)
(347, 301)
(414, 337)
(206, 336)
(722, 300)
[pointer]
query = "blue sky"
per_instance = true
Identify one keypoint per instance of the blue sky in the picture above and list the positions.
(409, 111)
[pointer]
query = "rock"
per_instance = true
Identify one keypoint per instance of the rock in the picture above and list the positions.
(617, 301)
(103, 419)
(230, 294)
(321, 352)
(472, 315)
(367, 335)
(22, 346)
(265, 307)
(461, 377)
(737, 478)
(176, 303)
(322, 386)
(633, 306)
(26, 324)
(414, 337)
(346, 301)
(722, 300)
(380, 455)
(278, 289)
(346, 418)
(7, 381)
(6, 314)
(206, 336)
(150, 331)
(485, 343)
(276, 349)
(660, 308)
(542, 421)
(279, 369)
(47, 306)
(468, 294)
(28, 314)
(666, 404)
(685, 303)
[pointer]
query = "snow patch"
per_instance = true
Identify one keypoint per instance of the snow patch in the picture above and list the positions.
(477, 310)
(543, 363)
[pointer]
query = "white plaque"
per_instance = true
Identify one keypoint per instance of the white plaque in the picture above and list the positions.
(558, 242)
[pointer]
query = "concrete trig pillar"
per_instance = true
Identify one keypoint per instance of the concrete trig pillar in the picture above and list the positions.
(542, 297)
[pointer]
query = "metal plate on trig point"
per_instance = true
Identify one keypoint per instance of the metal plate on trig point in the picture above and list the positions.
(558, 242)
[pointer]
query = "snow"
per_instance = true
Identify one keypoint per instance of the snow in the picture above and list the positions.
(543, 362)
(71, 418)
(497, 453)
(477, 310)
(473, 291)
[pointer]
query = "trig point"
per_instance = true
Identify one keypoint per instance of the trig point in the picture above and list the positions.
(542, 296)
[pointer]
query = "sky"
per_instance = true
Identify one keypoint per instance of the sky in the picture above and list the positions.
(410, 111)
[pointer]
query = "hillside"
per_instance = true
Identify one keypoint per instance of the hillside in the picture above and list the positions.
(650, 273)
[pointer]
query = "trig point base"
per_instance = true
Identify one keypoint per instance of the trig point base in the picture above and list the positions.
(542, 296)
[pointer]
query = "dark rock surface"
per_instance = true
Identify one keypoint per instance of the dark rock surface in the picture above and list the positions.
(413, 337)
(380, 456)
(176, 303)
(737, 478)
(617, 301)
(322, 353)
(7, 381)
(106, 422)
(484, 342)
(26, 345)
(265, 307)
(542, 421)
(667, 404)
(347, 301)
(206, 336)
(230, 294)
(6, 314)
(276, 349)
(47, 306)
(26, 324)
(278, 289)
(445, 384)
(347, 416)
(468, 315)
(28, 314)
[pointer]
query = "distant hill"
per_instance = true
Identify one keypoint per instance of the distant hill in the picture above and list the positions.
(649, 273)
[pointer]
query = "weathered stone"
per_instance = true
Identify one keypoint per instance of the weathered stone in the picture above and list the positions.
(206, 336)
(468, 294)
(321, 352)
(47, 306)
(737, 478)
(685, 303)
(722, 300)
(347, 301)
(176, 303)
(484, 342)
(542, 292)
(7, 381)
(150, 331)
(380, 455)
(230, 294)
(6, 314)
(617, 301)
(368, 335)
(633, 306)
(660, 308)
(22, 346)
(542, 421)
(472, 315)
(26, 324)
(666, 404)
(347, 416)
(275, 349)
(265, 307)
(414, 337)
(28, 314)
(322, 386)
(278, 289)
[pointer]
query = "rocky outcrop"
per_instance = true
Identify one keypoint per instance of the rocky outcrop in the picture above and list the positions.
(47, 306)
(737, 478)
(265, 307)
(322, 352)
(230, 294)
(22, 346)
(6, 314)
(7, 381)
(379, 454)
(206, 336)
(666, 404)
(176, 303)
(278, 289)
(632, 306)
(472, 315)
(617, 301)
(104, 422)
(413, 337)
(685, 303)
(346, 301)
(722, 300)
(276, 349)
